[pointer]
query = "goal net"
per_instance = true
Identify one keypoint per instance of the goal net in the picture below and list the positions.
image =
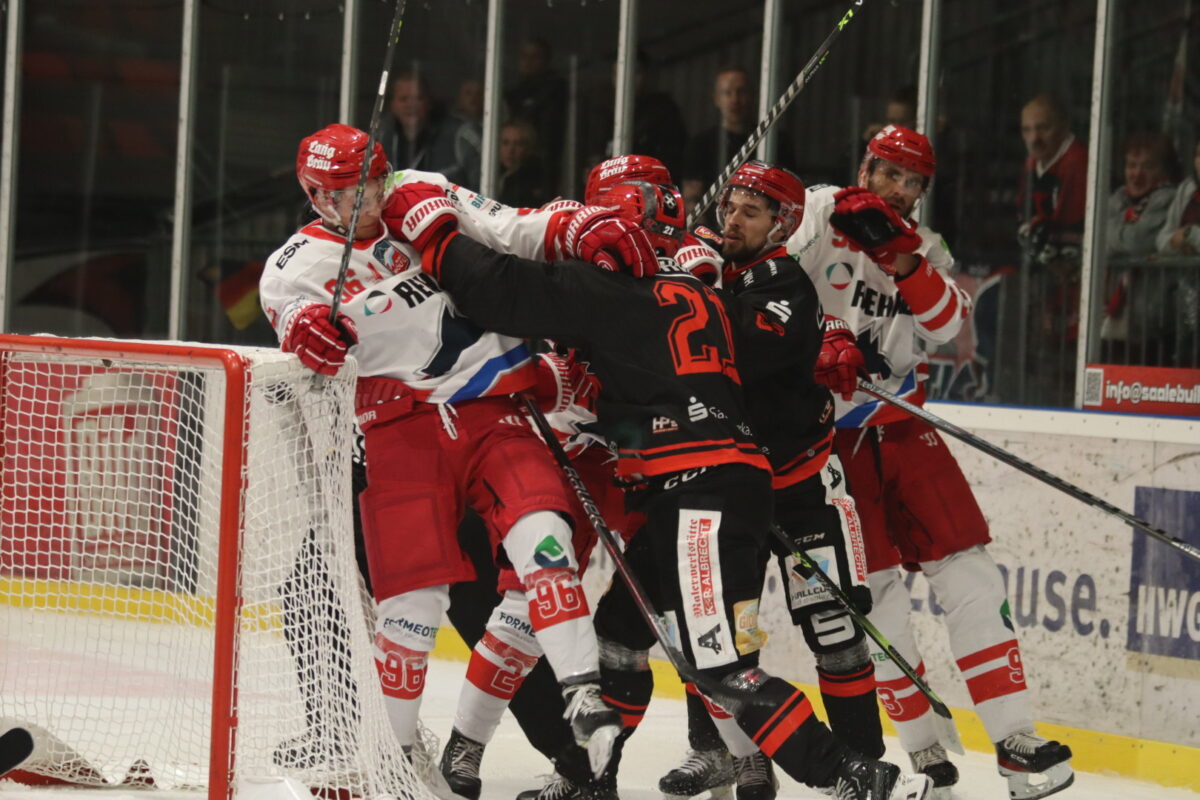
(180, 603)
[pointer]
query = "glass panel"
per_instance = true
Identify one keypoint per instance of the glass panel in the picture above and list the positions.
(1147, 288)
(844, 104)
(264, 80)
(556, 67)
(697, 96)
(95, 183)
(432, 115)
(1012, 150)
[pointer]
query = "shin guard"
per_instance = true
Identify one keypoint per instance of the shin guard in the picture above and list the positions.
(847, 681)
(405, 631)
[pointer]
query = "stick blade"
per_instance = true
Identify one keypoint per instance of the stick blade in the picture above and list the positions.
(15, 746)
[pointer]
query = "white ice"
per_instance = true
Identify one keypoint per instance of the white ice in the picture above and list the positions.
(511, 765)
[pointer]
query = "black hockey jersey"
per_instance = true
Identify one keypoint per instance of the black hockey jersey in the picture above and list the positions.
(778, 328)
(662, 349)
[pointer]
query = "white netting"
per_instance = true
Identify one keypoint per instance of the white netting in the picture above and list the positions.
(110, 531)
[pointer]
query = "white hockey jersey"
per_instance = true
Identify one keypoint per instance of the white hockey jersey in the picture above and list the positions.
(891, 319)
(408, 328)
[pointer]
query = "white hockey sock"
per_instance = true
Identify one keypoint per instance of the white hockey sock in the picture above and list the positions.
(406, 628)
(969, 586)
(498, 666)
(739, 744)
(906, 706)
(539, 547)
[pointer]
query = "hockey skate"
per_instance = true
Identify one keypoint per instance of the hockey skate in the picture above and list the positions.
(1034, 767)
(701, 771)
(559, 788)
(755, 775)
(932, 761)
(595, 725)
(460, 765)
(879, 780)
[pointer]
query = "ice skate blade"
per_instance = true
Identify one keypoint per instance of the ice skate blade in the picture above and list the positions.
(912, 787)
(600, 747)
(1053, 780)
(714, 793)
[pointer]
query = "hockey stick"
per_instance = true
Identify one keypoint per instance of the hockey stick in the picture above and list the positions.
(785, 100)
(15, 747)
(728, 698)
(1029, 469)
(360, 189)
(947, 733)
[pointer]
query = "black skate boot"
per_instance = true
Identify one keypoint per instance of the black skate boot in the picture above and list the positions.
(593, 722)
(755, 775)
(559, 788)
(932, 761)
(1035, 767)
(878, 780)
(701, 771)
(460, 765)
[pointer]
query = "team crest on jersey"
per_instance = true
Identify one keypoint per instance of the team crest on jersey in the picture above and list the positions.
(390, 256)
(377, 302)
(839, 274)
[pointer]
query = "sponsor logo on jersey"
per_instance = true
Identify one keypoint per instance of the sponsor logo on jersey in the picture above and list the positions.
(683, 477)
(663, 425)
(516, 623)
(511, 419)
(839, 274)
(697, 410)
(377, 302)
(805, 588)
(781, 309)
(710, 639)
(288, 252)
(876, 303)
(417, 289)
(550, 554)
(700, 586)
(747, 636)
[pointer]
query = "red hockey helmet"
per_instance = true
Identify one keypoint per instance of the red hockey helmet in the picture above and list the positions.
(332, 158)
(612, 171)
(781, 186)
(657, 208)
(904, 147)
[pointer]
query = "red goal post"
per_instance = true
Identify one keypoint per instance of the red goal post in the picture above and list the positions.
(179, 597)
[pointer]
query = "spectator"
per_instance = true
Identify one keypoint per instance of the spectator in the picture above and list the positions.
(1180, 235)
(539, 96)
(1137, 211)
(418, 134)
(709, 151)
(522, 179)
(901, 109)
(1051, 201)
(468, 109)
(658, 128)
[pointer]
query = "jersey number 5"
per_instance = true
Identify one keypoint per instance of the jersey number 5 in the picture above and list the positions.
(695, 317)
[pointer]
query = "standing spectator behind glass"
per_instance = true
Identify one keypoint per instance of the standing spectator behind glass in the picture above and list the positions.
(468, 110)
(1137, 301)
(709, 151)
(522, 180)
(658, 128)
(1180, 234)
(539, 96)
(1051, 202)
(419, 134)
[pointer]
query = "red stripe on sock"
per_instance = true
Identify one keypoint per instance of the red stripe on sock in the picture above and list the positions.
(995, 683)
(786, 727)
(903, 709)
(988, 654)
(854, 685)
(903, 682)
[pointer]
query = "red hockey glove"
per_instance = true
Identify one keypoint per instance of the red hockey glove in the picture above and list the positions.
(873, 226)
(603, 237)
(563, 382)
(700, 259)
(840, 359)
(419, 213)
(320, 344)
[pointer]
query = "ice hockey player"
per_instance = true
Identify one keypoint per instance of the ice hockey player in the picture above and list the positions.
(776, 317)
(441, 428)
(885, 282)
(670, 401)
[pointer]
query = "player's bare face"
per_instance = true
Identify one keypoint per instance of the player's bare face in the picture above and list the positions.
(748, 222)
(342, 204)
(899, 186)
